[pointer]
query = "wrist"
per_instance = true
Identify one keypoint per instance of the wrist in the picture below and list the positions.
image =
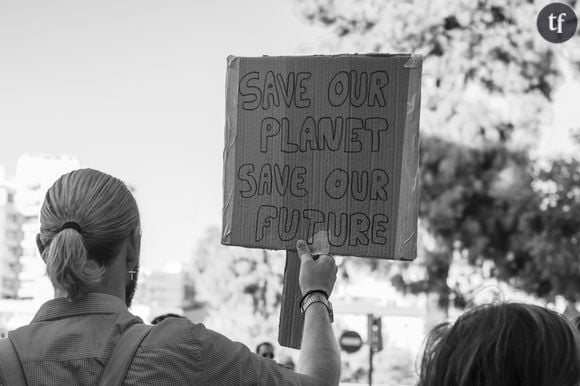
(316, 296)
(314, 290)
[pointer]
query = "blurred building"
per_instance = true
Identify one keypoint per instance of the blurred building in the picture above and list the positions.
(34, 175)
(161, 291)
(10, 239)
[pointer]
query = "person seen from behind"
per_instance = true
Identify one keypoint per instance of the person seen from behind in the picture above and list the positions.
(504, 344)
(90, 236)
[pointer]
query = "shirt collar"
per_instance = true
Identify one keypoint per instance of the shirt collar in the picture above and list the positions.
(91, 303)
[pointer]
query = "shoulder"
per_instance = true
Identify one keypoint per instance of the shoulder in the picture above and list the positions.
(172, 331)
(178, 351)
(179, 331)
(171, 353)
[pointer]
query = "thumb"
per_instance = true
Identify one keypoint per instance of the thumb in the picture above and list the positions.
(303, 250)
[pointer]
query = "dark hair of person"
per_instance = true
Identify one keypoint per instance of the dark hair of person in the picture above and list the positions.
(264, 344)
(161, 318)
(505, 344)
(86, 217)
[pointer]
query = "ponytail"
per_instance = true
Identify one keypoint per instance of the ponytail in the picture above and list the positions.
(68, 264)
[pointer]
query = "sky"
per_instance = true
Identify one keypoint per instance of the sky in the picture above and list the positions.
(136, 89)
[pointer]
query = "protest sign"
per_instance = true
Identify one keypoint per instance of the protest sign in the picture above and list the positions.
(323, 143)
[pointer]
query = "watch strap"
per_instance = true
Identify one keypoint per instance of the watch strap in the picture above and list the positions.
(316, 297)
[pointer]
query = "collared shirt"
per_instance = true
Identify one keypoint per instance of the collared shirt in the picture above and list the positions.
(69, 343)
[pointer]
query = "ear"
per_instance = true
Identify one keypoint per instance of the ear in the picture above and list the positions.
(133, 248)
(39, 244)
(137, 242)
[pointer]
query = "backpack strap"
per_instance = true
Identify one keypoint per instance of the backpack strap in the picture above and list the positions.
(10, 368)
(119, 362)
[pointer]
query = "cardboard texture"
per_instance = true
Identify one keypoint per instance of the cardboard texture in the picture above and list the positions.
(291, 320)
(323, 143)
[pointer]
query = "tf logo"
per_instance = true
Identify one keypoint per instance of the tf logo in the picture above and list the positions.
(557, 22)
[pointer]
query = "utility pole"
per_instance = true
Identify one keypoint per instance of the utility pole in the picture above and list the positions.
(370, 364)
(375, 340)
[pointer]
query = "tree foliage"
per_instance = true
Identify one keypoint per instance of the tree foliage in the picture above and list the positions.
(472, 201)
(241, 288)
(486, 73)
(488, 86)
(545, 261)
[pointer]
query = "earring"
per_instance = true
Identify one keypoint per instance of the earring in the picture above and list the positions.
(132, 274)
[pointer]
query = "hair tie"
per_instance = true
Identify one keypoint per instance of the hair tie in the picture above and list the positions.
(71, 225)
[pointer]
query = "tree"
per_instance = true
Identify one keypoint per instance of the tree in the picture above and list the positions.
(472, 201)
(488, 83)
(487, 73)
(544, 261)
(242, 288)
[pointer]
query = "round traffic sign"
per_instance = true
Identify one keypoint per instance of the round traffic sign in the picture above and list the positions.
(350, 341)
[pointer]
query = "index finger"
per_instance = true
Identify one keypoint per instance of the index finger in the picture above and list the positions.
(303, 250)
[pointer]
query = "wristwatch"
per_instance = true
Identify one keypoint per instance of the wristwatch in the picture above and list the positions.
(317, 297)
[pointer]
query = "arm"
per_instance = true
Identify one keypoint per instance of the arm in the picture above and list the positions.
(319, 355)
(319, 362)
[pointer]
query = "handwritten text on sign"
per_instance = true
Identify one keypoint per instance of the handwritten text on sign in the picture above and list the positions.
(329, 133)
(317, 146)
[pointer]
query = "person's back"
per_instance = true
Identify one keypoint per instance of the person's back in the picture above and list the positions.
(507, 344)
(90, 240)
(60, 346)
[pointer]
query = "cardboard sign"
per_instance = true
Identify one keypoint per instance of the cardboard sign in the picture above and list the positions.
(323, 143)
